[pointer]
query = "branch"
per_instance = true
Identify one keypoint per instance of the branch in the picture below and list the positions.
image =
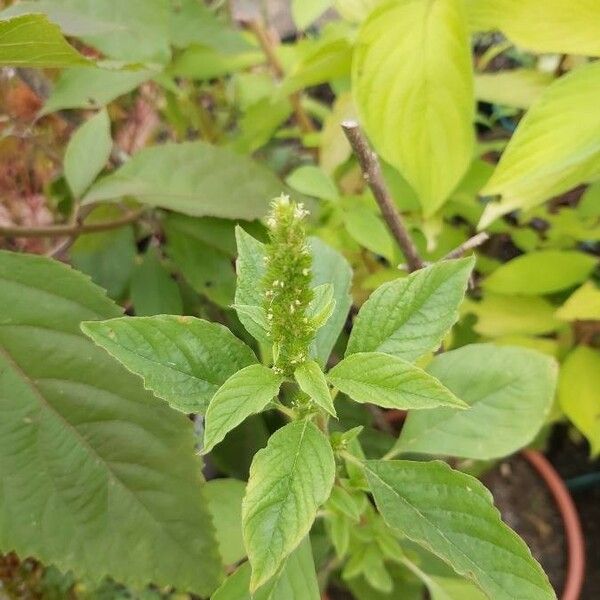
(266, 43)
(470, 244)
(69, 230)
(372, 174)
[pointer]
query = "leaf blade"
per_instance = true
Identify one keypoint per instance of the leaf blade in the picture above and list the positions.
(312, 381)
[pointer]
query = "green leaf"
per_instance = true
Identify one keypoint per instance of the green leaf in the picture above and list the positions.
(573, 31)
(250, 268)
(92, 87)
(87, 153)
(153, 290)
(193, 178)
(321, 307)
(582, 305)
(245, 393)
(409, 317)
(312, 181)
(556, 146)
(330, 267)
(93, 466)
(412, 73)
(390, 382)
(517, 87)
(543, 272)
(183, 360)
(578, 393)
(499, 315)
(33, 41)
(297, 580)
(201, 63)
(510, 392)
(305, 12)
(224, 498)
(355, 10)
(452, 515)
(312, 381)
(289, 480)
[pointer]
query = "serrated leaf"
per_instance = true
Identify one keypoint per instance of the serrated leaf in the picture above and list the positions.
(312, 381)
(224, 498)
(412, 73)
(33, 41)
(452, 515)
(87, 153)
(390, 382)
(183, 360)
(245, 393)
(556, 146)
(296, 580)
(409, 317)
(573, 31)
(92, 87)
(582, 305)
(510, 392)
(578, 393)
(193, 178)
(542, 272)
(289, 480)
(98, 476)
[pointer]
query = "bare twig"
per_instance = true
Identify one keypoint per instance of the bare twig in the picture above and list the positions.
(69, 229)
(372, 174)
(268, 47)
(470, 244)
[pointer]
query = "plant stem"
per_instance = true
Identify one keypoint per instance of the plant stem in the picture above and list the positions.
(470, 244)
(371, 170)
(266, 43)
(69, 230)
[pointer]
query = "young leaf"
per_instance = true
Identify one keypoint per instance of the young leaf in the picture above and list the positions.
(510, 393)
(429, 98)
(390, 382)
(322, 305)
(555, 147)
(98, 476)
(578, 393)
(87, 153)
(33, 41)
(542, 272)
(452, 515)
(193, 178)
(312, 381)
(289, 480)
(224, 498)
(250, 268)
(297, 580)
(409, 317)
(183, 360)
(245, 393)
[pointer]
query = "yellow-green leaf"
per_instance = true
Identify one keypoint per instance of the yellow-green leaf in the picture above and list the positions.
(413, 86)
(582, 305)
(555, 147)
(516, 87)
(579, 393)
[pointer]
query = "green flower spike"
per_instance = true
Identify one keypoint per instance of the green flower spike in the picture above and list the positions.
(287, 286)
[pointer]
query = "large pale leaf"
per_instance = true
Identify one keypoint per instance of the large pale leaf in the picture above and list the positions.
(87, 153)
(452, 515)
(245, 393)
(296, 580)
(409, 317)
(413, 86)
(572, 31)
(555, 147)
(543, 272)
(289, 480)
(510, 393)
(578, 392)
(515, 87)
(181, 359)
(390, 382)
(98, 476)
(194, 178)
(33, 41)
